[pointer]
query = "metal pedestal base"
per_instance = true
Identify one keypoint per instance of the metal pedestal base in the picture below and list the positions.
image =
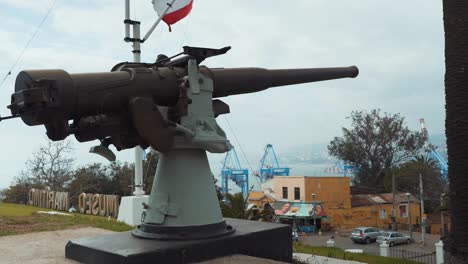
(162, 232)
(257, 239)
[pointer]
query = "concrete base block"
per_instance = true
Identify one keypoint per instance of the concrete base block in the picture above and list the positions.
(131, 208)
(251, 238)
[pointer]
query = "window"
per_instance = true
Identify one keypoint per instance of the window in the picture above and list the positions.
(297, 193)
(403, 210)
(383, 214)
(285, 192)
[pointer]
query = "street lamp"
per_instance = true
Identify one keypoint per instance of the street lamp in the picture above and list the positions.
(294, 221)
(409, 214)
(442, 203)
(313, 204)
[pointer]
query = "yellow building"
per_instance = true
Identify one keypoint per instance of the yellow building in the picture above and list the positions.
(376, 210)
(334, 192)
(434, 221)
(343, 209)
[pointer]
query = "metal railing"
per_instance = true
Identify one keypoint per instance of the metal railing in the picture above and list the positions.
(422, 257)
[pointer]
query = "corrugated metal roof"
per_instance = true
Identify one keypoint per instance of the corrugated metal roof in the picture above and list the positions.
(381, 198)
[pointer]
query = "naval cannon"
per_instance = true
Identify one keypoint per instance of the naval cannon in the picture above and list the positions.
(139, 103)
(170, 105)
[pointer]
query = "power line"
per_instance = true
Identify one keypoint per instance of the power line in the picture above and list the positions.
(242, 150)
(29, 42)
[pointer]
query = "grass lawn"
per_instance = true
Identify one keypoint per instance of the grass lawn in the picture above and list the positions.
(20, 219)
(341, 254)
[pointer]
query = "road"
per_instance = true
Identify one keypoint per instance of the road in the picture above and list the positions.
(342, 241)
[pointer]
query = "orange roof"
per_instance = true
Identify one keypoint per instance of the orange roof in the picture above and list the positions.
(256, 195)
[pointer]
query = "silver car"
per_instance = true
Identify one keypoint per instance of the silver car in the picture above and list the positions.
(393, 238)
(365, 234)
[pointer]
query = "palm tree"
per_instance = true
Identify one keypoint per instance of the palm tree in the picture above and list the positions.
(433, 180)
(456, 125)
(235, 206)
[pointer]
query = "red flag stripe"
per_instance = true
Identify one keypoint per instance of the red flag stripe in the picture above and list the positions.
(177, 15)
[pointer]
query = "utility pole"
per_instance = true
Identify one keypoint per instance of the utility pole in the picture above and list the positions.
(313, 204)
(131, 209)
(423, 218)
(408, 214)
(394, 203)
(136, 43)
(442, 229)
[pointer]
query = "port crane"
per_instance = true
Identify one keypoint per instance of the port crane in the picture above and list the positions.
(232, 170)
(269, 165)
(432, 151)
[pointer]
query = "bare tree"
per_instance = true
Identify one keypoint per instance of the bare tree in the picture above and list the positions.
(51, 165)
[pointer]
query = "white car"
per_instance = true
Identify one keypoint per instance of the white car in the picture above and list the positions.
(393, 238)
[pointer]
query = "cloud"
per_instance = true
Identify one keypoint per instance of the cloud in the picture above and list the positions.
(397, 45)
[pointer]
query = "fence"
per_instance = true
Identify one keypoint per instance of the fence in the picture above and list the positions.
(422, 257)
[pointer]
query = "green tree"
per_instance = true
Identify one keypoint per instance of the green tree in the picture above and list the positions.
(18, 191)
(219, 191)
(456, 126)
(122, 175)
(149, 167)
(407, 180)
(375, 143)
(91, 178)
(235, 206)
(114, 178)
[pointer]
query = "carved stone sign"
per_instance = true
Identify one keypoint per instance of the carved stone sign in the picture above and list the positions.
(48, 199)
(95, 204)
(98, 204)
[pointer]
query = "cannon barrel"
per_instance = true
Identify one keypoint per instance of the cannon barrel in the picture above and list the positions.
(53, 97)
(248, 80)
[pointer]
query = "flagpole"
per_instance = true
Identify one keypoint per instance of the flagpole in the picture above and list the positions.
(136, 44)
(157, 21)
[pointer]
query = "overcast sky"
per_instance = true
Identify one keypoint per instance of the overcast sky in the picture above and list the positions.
(398, 46)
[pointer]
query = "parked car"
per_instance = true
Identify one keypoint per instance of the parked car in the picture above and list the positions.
(365, 234)
(394, 238)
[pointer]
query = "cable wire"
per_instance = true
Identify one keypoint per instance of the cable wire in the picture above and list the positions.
(29, 42)
(242, 150)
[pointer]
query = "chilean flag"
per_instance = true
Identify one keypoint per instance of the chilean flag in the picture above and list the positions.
(178, 10)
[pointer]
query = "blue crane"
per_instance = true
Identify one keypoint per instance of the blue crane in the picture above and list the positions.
(432, 151)
(232, 170)
(269, 165)
(344, 168)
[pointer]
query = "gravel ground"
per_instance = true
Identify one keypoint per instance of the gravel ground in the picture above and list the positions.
(49, 248)
(343, 241)
(42, 247)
